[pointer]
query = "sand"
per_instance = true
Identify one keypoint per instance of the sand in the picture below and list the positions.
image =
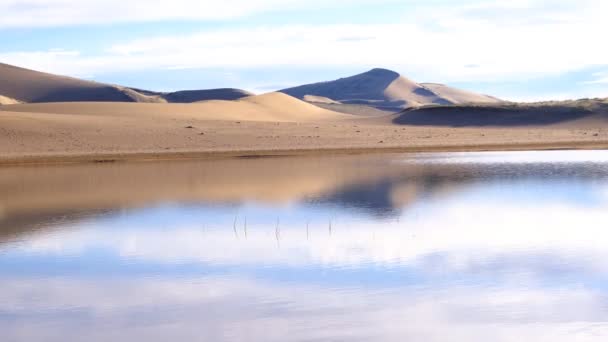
(275, 107)
(320, 99)
(4, 100)
(62, 123)
(458, 96)
(385, 89)
(32, 86)
(261, 125)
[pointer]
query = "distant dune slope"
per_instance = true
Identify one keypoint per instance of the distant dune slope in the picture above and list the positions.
(267, 107)
(31, 86)
(7, 100)
(189, 96)
(455, 95)
(142, 96)
(383, 88)
(574, 114)
(320, 99)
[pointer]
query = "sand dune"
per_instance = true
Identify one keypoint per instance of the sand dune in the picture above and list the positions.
(32, 86)
(281, 107)
(37, 87)
(320, 99)
(78, 130)
(385, 89)
(454, 95)
(4, 100)
(276, 107)
(142, 96)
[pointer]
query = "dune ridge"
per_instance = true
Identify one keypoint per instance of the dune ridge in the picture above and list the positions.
(31, 86)
(459, 96)
(385, 89)
(320, 99)
(276, 107)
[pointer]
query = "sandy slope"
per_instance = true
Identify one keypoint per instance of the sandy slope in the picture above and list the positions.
(275, 107)
(385, 89)
(7, 100)
(37, 87)
(32, 86)
(455, 95)
(320, 99)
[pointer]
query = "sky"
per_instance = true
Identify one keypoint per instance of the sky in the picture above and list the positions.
(523, 50)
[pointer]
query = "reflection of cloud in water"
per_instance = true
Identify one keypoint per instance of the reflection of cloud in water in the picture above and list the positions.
(446, 235)
(515, 157)
(236, 309)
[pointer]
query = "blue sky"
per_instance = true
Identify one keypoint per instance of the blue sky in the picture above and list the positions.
(519, 50)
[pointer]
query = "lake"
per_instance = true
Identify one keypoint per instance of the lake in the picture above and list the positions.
(495, 246)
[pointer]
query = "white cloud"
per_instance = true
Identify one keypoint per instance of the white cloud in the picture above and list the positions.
(506, 41)
(600, 77)
(45, 13)
(438, 44)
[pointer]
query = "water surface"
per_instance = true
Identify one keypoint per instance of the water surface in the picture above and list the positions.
(426, 247)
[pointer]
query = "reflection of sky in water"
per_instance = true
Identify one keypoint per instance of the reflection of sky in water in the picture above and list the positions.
(492, 256)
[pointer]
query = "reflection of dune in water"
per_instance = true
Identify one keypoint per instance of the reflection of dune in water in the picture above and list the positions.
(381, 185)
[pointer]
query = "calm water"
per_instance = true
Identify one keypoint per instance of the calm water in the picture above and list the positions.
(429, 247)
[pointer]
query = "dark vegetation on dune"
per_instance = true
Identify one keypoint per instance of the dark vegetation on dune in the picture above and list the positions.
(506, 114)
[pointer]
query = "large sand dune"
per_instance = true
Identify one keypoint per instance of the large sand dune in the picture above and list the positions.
(37, 87)
(385, 89)
(32, 86)
(275, 107)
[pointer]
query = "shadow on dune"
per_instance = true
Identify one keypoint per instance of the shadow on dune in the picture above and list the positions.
(84, 94)
(189, 96)
(507, 116)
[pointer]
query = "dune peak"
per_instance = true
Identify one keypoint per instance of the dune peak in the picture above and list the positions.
(387, 90)
(381, 72)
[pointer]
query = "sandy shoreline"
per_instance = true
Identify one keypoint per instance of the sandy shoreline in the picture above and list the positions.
(59, 158)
